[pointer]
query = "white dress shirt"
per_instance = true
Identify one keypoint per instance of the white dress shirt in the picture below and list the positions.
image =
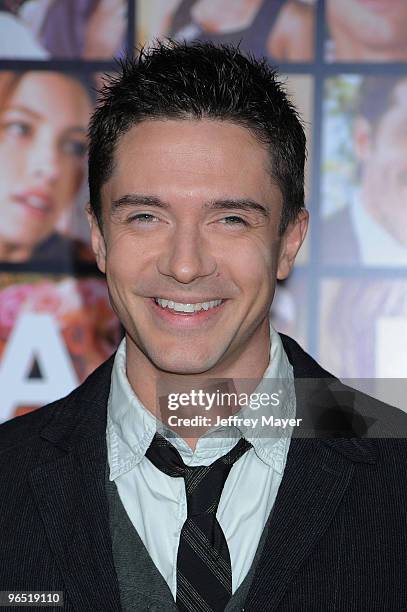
(156, 502)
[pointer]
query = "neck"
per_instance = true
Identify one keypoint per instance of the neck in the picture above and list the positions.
(239, 373)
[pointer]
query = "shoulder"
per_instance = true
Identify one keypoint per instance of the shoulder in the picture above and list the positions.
(22, 447)
(22, 430)
(334, 409)
(374, 419)
(64, 422)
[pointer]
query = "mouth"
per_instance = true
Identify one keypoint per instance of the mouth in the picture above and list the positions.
(187, 308)
(186, 314)
(38, 205)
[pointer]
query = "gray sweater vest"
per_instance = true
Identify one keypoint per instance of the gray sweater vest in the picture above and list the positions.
(142, 587)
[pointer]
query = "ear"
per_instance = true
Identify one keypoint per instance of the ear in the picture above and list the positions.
(290, 243)
(362, 138)
(97, 239)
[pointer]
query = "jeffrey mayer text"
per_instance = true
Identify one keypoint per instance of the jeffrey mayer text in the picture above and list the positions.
(232, 420)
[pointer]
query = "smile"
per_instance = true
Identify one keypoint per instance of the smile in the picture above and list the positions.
(36, 204)
(185, 307)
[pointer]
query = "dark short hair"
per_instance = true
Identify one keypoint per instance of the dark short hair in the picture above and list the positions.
(178, 80)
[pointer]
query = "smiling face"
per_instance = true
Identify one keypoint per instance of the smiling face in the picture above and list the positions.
(368, 30)
(382, 152)
(43, 126)
(190, 223)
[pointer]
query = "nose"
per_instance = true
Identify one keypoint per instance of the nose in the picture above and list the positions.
(186, 255)
(44, 158)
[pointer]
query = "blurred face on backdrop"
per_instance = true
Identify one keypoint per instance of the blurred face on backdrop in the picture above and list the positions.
(382, 151)
(368, 30)
(227, 16)
(43, 122)
(191, 247)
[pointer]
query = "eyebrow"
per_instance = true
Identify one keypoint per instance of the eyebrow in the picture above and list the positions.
(239, 204)
(139, 200)
(23, 109)
(35, 115)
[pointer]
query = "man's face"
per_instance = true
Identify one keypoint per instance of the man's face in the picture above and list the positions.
(368, 29)
(383, 154)
(191, 216)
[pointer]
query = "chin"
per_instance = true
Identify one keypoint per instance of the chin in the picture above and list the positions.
(185, 364)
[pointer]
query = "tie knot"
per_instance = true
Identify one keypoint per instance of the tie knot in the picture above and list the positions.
(203, 483)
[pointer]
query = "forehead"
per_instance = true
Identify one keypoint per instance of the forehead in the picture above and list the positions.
(51, 95)
(183, 158)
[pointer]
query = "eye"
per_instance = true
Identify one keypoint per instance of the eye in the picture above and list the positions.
(142, 218)
(234, 220)
(18, 128)
(75, 148)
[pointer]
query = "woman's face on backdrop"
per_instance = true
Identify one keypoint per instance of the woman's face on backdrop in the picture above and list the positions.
(43, 125)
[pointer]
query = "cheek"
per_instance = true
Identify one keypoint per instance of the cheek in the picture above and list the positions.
(135, 255)
(12, 167)
(254, 267)
(120, 268)
(124, 260)
(71, 177)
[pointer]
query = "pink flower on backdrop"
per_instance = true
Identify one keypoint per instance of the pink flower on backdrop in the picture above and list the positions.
(12, 299)
(81, 309)
(56, 298)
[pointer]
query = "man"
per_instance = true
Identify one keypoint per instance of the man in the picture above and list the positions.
(367, 30)
(196, 189)
(372, 230)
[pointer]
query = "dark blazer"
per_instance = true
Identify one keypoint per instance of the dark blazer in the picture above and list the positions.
(338, 533)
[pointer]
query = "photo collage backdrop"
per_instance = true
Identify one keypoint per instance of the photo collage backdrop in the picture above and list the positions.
(344, 66)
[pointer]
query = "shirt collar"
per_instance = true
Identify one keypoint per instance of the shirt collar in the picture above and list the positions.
(131, 427)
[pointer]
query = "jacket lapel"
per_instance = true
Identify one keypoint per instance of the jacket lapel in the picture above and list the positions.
(314, 482)
(70, 495)
(318, 471)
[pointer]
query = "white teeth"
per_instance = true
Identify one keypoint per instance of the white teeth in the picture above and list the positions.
(180, 307)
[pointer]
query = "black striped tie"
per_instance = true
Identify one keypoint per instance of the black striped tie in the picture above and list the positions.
(204, 574)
